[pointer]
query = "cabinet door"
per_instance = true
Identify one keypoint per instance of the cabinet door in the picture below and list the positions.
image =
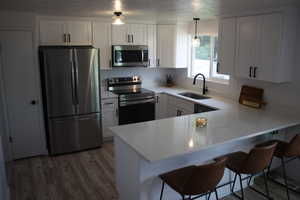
(268, 53)
(166, 39)
(151, 29)
(52, 32)
(109, 116)
(138, 34)
(80, 32)
(102, 40)
(247, 39)
(227, 42)
(120, 35)
(182, 46)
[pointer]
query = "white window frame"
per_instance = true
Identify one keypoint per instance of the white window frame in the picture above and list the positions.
(211, 77)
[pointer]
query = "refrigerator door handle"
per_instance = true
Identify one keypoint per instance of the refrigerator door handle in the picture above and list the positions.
(73, 83)
(76, 75)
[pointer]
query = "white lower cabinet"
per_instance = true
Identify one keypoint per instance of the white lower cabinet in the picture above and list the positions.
(109, 116)
(170, 106)
(160, 107)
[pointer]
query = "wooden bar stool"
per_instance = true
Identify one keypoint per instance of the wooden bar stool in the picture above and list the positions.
(195, 181)
(253, 163)
(286, 151)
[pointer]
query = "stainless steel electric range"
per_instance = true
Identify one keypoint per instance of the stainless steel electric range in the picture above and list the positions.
(136, 104)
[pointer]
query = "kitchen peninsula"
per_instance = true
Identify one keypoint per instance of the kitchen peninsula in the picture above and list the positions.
(145, 150)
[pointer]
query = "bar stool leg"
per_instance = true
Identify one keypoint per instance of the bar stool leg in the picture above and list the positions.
(285, 177)
(241, 183)
(269, 167)
(162, 190)
(234, 180)
(216, 193)
(266, 184)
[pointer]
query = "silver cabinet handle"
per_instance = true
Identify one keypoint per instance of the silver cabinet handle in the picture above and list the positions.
(132, 39)
(158, 62)
(128, 38)
(250, 71)
(108, 103)
(69, 38)
(218, 67)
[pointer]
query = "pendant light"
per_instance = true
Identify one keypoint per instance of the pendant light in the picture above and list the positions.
(196, 39)
(118, 19)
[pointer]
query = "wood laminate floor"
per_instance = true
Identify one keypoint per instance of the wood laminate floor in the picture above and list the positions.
(86, 175)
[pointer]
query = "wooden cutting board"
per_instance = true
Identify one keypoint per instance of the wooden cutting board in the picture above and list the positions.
(252, 97)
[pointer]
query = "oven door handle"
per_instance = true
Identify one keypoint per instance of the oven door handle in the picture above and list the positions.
(128, 103)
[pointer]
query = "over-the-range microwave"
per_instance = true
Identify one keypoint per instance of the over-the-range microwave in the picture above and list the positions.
(130, 56)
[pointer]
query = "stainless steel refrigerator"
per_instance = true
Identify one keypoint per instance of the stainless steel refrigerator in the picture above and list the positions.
(71, 98)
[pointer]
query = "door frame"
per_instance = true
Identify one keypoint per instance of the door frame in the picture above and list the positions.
(3, 100)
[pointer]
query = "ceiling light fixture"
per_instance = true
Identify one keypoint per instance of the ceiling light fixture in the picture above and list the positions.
(118, 19)
(196, 39)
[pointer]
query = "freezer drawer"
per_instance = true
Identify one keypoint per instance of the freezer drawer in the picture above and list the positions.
(75, 133)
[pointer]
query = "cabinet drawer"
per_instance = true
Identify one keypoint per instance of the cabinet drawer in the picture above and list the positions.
(109, 104)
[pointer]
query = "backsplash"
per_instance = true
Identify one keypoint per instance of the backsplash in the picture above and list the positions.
(149, 76)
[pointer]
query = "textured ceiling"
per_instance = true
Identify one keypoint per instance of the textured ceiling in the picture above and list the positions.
(142, 9)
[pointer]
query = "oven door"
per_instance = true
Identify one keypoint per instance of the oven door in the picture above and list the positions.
(136, 111)
(130, 56)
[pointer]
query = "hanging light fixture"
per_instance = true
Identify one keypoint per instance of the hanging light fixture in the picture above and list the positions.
(196, 39)
(118, 19)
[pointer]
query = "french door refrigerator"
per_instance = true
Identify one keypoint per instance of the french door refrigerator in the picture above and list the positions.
(71, 98)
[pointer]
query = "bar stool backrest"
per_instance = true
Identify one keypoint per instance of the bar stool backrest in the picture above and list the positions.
(258, 159)
(205, 178)
(293, 148)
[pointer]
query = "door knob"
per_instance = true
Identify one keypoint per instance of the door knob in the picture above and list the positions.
(33, 102)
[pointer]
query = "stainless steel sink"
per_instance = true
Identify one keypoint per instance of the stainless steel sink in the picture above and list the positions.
(193, 95)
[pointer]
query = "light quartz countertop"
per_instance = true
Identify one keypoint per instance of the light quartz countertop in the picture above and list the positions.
(106, 94)
(166, 138)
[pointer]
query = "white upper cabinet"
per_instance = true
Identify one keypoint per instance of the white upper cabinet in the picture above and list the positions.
(129, 34)
(166, 46)
(102, 40)
(138, 34)
(227, 45)
(266, 47)
(80, 32)
(247, 45)
(172, 46)
(52, 32)
(62, 32)
(120, 35)
(151, 35)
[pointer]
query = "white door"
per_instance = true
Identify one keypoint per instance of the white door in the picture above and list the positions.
(20, 77)
(247, 41)
(80, 32)
(120, 34)
(227, 45)
(52, 32)
(151, 37)
(268, 53)
(138, 33)
(102, 40)
(166, 48)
